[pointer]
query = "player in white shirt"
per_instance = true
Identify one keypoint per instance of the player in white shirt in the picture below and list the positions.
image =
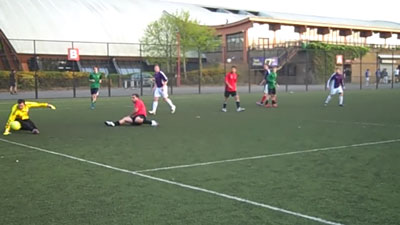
(161, 90)
(336, 85)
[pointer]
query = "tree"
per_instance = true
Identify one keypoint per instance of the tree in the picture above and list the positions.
(160, 40)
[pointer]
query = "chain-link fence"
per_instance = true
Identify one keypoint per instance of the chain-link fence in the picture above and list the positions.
(44, 71)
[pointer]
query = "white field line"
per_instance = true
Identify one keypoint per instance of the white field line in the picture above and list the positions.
(267, 156)
(359, 123)
(186, 186)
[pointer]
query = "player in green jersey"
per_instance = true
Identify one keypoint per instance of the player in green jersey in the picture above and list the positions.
(95, 79)
(272, 85)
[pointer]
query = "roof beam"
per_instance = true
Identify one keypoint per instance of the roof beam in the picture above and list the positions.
(345, 32)
(300, 29)
(323, 30)
(365, 34)
(385, 35)
(274, 26)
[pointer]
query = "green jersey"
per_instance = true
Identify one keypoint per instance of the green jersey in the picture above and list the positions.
(271, 80)
(96, 77)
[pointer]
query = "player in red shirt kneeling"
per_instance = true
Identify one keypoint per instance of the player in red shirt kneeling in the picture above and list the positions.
(138, 116)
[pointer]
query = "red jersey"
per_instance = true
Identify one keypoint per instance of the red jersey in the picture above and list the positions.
(140, 108)
(231, 79)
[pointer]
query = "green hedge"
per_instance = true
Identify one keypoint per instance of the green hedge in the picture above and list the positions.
(51, 79)
(210, 76)
(55, 79)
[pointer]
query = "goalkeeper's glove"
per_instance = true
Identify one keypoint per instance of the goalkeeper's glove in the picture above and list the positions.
(51, 106)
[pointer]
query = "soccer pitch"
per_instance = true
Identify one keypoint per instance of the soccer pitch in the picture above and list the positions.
(302, 163)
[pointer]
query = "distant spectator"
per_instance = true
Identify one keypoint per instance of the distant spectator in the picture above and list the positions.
(367, 75)
(385, 76)
(378, 76)
(13, 82)
(347, 73)
(397, 74)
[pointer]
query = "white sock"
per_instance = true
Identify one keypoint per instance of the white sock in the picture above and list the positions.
(170, 103)
(328, 99)
(155, 105)
(341, 100)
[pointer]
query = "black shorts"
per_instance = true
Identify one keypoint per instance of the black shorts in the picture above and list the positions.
(134, 118)
(12, 84)
(26, 124)
(272, 91)
(94, 91)
(230, 93)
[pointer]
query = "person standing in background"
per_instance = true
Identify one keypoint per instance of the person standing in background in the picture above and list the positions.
(397, 74)
(385, 76)
(378, 76)
(367, 75)
(13, 82)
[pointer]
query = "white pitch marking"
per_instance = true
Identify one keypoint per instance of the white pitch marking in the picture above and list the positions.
(359, 123)
(177, 184)
(266, 156)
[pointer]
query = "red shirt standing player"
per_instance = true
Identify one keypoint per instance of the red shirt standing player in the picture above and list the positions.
(231, 89)
(138, 116)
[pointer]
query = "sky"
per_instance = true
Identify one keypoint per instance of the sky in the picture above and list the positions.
(388, 10)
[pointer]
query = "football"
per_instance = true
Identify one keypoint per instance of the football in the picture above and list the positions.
(15, 125)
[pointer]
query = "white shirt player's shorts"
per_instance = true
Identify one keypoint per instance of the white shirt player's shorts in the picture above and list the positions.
(266, 89)
(338, 90)
(161, 92)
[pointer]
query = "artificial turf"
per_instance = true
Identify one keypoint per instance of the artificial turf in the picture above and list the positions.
(349, 185)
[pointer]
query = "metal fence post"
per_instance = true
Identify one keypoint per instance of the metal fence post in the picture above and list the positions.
(73, 76)
(36, 69)
(172, 85)
(306, 75)
(200, 70)
(108, 75)
(361, 72)
(249, 68)
(378, 79)
(286, 62)
(325, 71)
(392, 69)
(141, 70)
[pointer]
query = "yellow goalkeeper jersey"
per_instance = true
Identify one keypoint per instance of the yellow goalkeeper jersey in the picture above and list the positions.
(23, 113)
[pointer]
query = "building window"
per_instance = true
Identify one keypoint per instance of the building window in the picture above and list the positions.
(235, 42)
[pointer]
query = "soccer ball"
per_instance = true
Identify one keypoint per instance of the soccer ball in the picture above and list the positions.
(15, 125)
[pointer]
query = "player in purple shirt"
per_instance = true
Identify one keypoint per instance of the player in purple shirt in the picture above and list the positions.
(335, 85)
(161, 90)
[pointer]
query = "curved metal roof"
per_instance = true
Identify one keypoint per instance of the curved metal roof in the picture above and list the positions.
(330, 20)
(116, 21)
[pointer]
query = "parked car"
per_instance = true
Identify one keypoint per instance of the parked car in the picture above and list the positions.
(147, 79)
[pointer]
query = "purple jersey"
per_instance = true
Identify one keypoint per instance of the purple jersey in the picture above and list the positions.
(266, 74)
(160, 77)
(335, 81)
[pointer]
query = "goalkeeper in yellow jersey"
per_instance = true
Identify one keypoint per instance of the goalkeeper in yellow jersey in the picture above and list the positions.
(20, 113)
